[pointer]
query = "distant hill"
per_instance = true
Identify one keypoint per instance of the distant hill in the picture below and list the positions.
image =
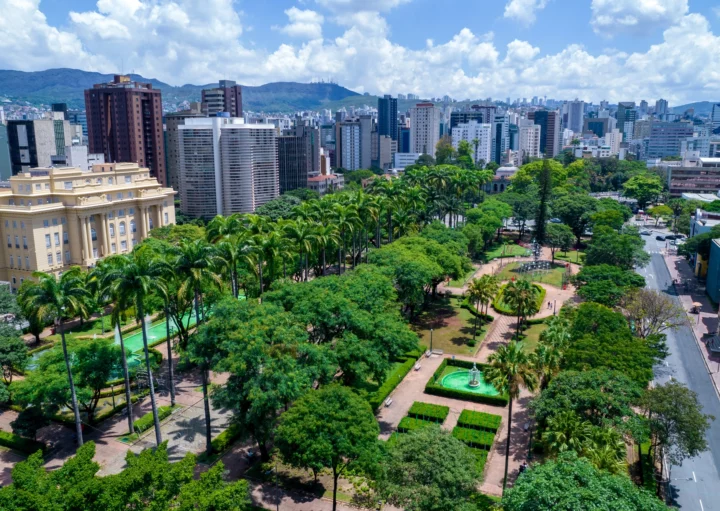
(67, 86)
(701, 108)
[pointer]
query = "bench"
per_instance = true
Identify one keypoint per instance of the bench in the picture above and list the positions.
(388, 402)
(417, 366)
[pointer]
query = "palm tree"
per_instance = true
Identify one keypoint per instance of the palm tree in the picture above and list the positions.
(482, 291)
(490, 288)
(194, 261)
(301, 234)
(546, 361)
(345, 220)
(223, 227)
(476, 144)
(325, 236)
(118, 312)
(521, 296)
(510, 370)
(132, 279)
(557, 334)
(60, 298)
(566, 431)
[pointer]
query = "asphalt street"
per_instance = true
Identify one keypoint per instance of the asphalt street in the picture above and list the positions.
(696, 483)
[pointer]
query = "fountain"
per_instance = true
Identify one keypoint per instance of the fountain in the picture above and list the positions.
(474, 379)
(148, 328)
(469, 380)
(536, 264)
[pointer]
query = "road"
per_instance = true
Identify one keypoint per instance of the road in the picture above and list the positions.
(695, 483)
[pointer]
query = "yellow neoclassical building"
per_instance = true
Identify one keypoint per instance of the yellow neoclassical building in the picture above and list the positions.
(54, 218)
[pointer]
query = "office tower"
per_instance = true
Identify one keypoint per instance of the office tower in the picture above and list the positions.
(298, 157)
(480, 113)
(549, 122)
(529, 135)
(513, 136)
(74, 228)
(625, 114)
(666, 138)
(642, 129)
(661, 108)
(226, 166)
(172, 142)
(387, 117)
(500, 137)
(404, 139)
(715, 118)
(479, 136)
(226, 97)
(124, 120)
(575, 113)
(643, 109)
(60, 108)
(79, 118)
(599, 126)
(5, 166)
(353, 143)
(424, 128)
(33, 143)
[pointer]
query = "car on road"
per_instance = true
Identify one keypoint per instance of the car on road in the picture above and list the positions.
(645, 232)
(660, 237)
(555, 221)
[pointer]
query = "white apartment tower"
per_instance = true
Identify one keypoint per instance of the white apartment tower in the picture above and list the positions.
(226, 166)
(529, 139)
(474, 133)
(613, 139)
(424, 128)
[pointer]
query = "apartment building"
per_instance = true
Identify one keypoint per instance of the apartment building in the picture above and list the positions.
(226, 97)
(550, 134)
(424, 128)
(479, 136)
(694, 175)
(54, 218)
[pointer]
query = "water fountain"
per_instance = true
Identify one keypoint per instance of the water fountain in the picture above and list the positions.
(474, 379)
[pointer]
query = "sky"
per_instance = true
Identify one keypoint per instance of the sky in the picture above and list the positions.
(617, 50)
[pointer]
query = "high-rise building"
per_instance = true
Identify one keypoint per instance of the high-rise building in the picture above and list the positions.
(643, 108)
(715, 118)
(500, 137)
(549, 122)
(479, 136)
(387, 124)
(599, 126)
(78, 118)
(642, 129)
(226, 97)
(353, 143)
(60, 108)
(298, 157)
(626, 113)
(404, 139)
(124, 120)
(226, 166)
(661, 108)
(33, 143)
(613, 139)
(483, 114)
(575, 113)
(424, 128)
(172, 142)
(529, 135)
(84, 216)
(666, 138)
(5, 166)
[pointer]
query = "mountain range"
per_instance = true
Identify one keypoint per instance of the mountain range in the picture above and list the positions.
(66, 85)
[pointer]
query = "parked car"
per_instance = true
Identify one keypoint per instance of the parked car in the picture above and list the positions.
(645, 232)
(670, 237)
(660, 237)
(555, 221)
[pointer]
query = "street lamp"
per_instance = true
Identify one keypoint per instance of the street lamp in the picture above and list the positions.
(554, 307)
(431, 335)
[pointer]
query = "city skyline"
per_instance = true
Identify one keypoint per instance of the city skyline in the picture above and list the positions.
(648, 50)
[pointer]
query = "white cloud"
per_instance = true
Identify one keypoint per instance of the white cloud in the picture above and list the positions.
(360, 5)
(611, 17)
(524, 11)
(303, 23)
(200, 41)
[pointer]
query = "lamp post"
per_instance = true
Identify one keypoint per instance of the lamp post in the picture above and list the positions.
(431, 335)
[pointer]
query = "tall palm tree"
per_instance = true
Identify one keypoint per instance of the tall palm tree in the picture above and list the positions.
(302, 235)
(566, 431)
(223, 227)
(132, 279)
(546, 361)
(521, 296)
(194, 261)
(557, 334)
(325, 236)
(345, 219)
(476, 294)
(60, 298)
(490, 288)
(510, 370)
(118, 311)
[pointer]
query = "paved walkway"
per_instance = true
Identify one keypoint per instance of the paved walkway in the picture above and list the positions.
(704, 323)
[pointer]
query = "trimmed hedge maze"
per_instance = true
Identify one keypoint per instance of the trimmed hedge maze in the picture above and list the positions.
(422, 415)
(477, 431)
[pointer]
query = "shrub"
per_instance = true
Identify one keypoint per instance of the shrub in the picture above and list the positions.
(487, 318)
(479, 420)
(408, 424)
(146, 421)
(377, 398)
(119, 407)
(434, 388)
(19, 443)
(429, 412)
(503, 308)
(481, 456)
(474, 437)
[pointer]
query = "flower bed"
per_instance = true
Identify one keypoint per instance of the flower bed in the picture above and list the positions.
(479, 420)
(429, 412)
(435, 388)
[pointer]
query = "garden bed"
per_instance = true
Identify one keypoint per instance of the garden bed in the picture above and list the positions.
(500, 306)
(481, 421)
(429, 412)
(434, 387)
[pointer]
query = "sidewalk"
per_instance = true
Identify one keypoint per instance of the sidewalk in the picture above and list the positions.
(702, 324)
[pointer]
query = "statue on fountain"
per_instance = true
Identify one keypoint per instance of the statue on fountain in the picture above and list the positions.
(474, 376)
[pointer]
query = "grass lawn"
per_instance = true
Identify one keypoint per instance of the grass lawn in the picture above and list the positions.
(552, 277)
(462, 280)
(452, 327)
(507, 250)
(531, 337)
(90, 328)
(572, 256)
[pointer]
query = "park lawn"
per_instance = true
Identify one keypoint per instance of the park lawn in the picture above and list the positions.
(452, 327)
(531, 337)
(367, 387)
(572, 256)
(91, 328)
(510, 250)
(462, 280)
(553, 277)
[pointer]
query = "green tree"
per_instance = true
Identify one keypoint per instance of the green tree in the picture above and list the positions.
(658, 212)
(652, 311)
(558, 237)
(522, 297)
(60, 299)
(328, 428)
(544, 193)
(280, 208)
(644, 188)
(623, 250)
(571, 482)
(566, 431)
(444, 151)
(510, 370)
(575, 211)
(606, 284)
(429, 470)
(608, 218)
(13, 353)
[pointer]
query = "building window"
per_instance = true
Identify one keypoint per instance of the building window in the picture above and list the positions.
(28, 188)
(111, 215)
(66, 238)
(17, 242)
(132, 226)
(109, 197)
(151, 224)
(166, 219)
(121, 213)
(12, 261)
(123, 245)
(93, 234)
(62, 220)
(130, 195)
(113, 248)
(95, 253)
(47, 241)
(54, 221)
(67, 185)
(134, 242)
(14, 281)
(14, 224)
(27, 263)
(46, 223)
(38, 186)
(9, 241)
(47, 186)
(58, 257)
(110, 181)
(50, 259)
(22, 225)
(92, 218)
(99, 181)
(25, 242)
(119, 195)
(122, 228)
(67, 256)
(7, 223)
(11, 202)
(112, 230)
(131, 211)
(128, 179)
(56, 237)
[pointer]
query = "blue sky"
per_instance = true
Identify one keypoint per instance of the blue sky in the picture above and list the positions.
(591, 49)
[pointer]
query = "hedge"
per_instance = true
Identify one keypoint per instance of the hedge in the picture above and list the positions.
(429, 412)
(479, 420)
(434, 388)
(120, 407)
(502, 308)
(474, 438)
(472, 310)
(221, 443)
(20, 443)
(377, 398)
(146, 421)
(408, 424)
(41, 348)
(482, 456)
